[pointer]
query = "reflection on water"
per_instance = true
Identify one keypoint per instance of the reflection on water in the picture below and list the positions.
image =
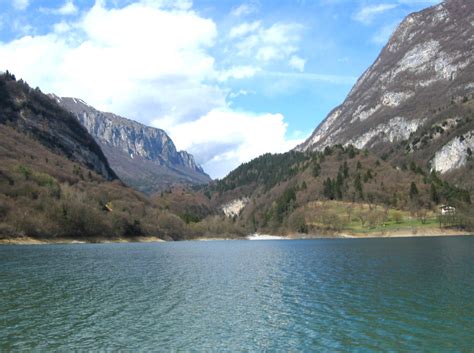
(371, 294)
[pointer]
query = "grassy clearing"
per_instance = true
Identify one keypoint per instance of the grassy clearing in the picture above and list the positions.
(367, 219)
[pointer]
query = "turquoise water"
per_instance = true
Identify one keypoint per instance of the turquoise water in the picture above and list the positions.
(325, 295)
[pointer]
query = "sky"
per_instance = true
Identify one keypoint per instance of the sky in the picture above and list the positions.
(228, 80)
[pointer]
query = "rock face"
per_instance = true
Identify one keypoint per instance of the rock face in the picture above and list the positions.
(422, 79)
(234, 207)
(454, 154)
(143, 157)
(35, 114)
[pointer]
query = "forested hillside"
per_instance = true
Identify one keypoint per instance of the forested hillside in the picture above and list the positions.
(56, 183)
(313, 192)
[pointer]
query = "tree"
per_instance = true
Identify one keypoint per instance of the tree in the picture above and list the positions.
(339, 184)
(285, 204)
(434, 194)
(358, 186)
(316, 170)
(352, 151)
(329, 189)
(345, 169)
(413, 191)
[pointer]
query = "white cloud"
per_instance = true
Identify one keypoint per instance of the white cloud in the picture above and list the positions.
(21, 4)
(277, 42)
(238, 72)
(223, 139)
(244, 10)
(125, 60)
(239, 93)
(68, 8)
(297, 63)
(151, 61)
(244, 29)
(368, 13)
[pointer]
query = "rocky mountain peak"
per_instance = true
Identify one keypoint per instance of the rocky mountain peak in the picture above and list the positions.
(427, 61)
(144, 157)
(415, 102)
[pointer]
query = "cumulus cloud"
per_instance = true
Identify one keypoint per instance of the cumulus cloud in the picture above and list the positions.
(276, 42)
(366, 14)
(223, 139)
(151, 61)
(124, 60)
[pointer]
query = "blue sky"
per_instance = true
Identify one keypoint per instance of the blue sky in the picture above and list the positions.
(228, 80)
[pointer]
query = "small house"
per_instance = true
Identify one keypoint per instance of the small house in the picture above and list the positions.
(448, 210)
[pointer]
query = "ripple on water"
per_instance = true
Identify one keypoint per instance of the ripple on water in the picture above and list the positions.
(325, 295)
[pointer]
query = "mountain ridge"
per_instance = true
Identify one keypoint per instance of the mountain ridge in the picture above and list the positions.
(144, 157)
(422, 80)
(30, 111)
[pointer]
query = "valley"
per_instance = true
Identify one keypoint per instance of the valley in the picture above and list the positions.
(388, 161)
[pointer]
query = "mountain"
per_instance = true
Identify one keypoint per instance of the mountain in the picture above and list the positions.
(340, 189)
(416, 102)
(55, 182)
(31, 112)
(143, 157)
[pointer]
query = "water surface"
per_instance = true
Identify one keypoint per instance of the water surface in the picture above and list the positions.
(414, 294)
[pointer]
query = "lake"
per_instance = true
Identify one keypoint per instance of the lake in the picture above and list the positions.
(410, 294)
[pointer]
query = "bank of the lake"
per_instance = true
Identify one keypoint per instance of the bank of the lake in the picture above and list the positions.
(25, 240)
(394, 233)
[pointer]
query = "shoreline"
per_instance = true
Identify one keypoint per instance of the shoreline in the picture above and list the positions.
(24, 240)
(427, 232)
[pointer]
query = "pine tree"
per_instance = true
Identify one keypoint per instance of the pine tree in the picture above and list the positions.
(339, 185)
(434, 194)
(352, 151)
(345, 169)
(358, 186)
(413, 191)
(316, 170)
(329, 189)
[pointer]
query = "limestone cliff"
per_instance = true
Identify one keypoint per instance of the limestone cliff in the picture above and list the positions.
(143, 157)
(415, 102)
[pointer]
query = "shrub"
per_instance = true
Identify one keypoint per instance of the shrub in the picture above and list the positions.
(297, 222)
(397, 217)
(171, 226)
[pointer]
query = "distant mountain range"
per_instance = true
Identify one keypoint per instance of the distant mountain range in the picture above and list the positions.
(416, 102)
(145, 158)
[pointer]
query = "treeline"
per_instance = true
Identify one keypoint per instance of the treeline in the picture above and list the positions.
(266, 170)
(38, 205)
(282, 192)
